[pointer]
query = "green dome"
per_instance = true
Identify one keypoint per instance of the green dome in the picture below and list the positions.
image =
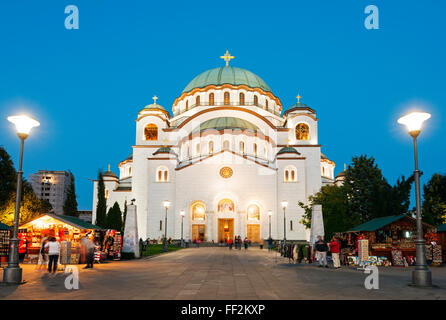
(287, 150)
(226, 123)
(227, 75)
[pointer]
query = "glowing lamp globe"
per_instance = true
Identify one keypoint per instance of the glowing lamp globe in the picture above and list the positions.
(414, 122)
(23, 124)
(284, 204)
(182, 213)
(270, 213)
(166, 204)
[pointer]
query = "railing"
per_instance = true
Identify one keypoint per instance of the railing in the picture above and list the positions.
(247, 104)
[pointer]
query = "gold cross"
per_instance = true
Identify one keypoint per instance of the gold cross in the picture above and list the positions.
(227, 57)
(345, 167)
(154, 99)
(298, 98)
(165, 142)
(109, 167)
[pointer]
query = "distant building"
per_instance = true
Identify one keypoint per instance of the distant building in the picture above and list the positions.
(85, 215)
(51, 186)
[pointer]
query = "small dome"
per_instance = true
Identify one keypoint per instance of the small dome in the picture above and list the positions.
(227, 75)
(341, 174)
(109, 174)
(154, 106)
(287, 150)
(226, 123)
(164, 150)
(296, 107)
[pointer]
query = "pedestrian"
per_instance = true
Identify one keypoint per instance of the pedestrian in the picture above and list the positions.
(321, 252)
(230, 243)
(89, 248)
(261, 241)
(246, 243)
(335, 248)
(270, 244)
(53, 248)
(239, 240)
(43, 258)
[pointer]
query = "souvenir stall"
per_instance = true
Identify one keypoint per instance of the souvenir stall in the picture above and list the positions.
(441, 232)
(66, 229)
(4, 242)
(390, 241)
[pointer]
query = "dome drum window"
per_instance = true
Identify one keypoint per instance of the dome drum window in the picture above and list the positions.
(290, 174)
(302, 131)
(162, 174)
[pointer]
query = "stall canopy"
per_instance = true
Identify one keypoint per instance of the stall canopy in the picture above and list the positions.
(4, 226)
(377, 223)
(73, 221)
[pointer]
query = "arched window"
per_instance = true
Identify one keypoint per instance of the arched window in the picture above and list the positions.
(225, 206)
(162, 174)
(265, 152)
(256, 100)
(255, 149)
(242, 98)
(130, 171)
(197, 100)
(187, 105)
(290, 174)
(226, 145)
(106, 193)
(211, 147)
(253, 212)
(242, 147)
(266, 104)
(151, 132)
(226, 99)
(302, 131)
(211, 99)
(197, 149)
(198, 212)
(323, 171)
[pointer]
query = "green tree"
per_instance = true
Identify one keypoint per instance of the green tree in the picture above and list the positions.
(70, 204)
(30, 206)
(8, 177)
(101, 207)
(114, 217)
(434, 205)
(124, 216)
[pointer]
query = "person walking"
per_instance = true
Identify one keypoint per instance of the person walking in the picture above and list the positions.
(261, 242)
(270, 244)
(321, 252)
(53, 248)
(230, 243)
(43, 259)
(246, 243)
(335, 248)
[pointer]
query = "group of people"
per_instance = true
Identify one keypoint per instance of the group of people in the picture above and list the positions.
(321, 247)
(238, 242)
(50, 253)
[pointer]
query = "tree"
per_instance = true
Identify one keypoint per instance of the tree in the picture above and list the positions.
(70, 204)
(114, 217)
(30, 206)
(434, 205)
(124, 216)
(8, 177)
(101, 207)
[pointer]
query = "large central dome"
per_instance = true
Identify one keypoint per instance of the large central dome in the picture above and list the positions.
(227, 75)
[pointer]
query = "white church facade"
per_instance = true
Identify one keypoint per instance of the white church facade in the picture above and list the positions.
(228, 156)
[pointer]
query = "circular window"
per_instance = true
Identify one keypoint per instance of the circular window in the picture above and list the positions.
(226, 172)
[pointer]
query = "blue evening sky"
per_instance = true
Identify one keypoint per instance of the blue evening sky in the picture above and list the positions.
(86, 86)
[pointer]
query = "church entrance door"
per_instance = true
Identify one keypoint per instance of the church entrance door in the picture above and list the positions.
(253, 232)
(225, 229)
(198, 232)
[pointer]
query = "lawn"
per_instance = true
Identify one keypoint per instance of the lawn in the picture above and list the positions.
(153, 249)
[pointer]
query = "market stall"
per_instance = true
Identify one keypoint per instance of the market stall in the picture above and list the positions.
(387, 240)
(441, 231)
(4, 242)
(66, 229)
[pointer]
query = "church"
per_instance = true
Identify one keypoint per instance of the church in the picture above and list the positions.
(230, 161)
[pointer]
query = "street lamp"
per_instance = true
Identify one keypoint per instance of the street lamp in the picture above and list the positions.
(13, 273)
(284, 205)
(270, 213)
(421, 276)
(166, 204)
(182, 213)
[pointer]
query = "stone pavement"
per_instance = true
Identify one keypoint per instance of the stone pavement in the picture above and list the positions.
(218, 273)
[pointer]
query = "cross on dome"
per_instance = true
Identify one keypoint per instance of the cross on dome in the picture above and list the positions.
(227, 57)
(154, 99)
(298, 98)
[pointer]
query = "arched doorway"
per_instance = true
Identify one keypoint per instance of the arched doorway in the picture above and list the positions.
(253, 223)
(198, 216)
(225, 208)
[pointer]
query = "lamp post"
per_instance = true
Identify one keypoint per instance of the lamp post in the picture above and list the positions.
(13, 273)
(166, 204)
(284, 205)
(270, 213)
(182, 213)
(421, 276)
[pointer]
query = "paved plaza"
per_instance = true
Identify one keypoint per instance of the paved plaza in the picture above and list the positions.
(220, 273)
